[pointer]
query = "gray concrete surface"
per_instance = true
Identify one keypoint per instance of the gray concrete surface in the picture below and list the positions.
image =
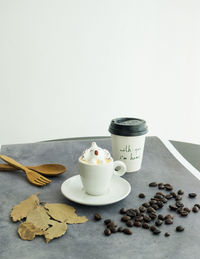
(87, 240)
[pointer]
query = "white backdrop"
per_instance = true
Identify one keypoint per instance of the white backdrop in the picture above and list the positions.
(67, 67)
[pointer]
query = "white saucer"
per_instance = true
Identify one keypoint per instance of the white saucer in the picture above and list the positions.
(72, 189)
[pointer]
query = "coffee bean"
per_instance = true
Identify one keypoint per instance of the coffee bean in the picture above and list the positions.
(179, 210)
(142, 209)
(146, 218)
(187, 209)
(152, 202)
(195, 209)
(146, 205)
(138, 218)
(97, 216)
(173, 194)
(113, 230)
(160, 204)
(160, 193)
(155, 206)
(167, 184)
(120, 229)
(168, 196)
(179, 204)
(192, 195)
(169, 216)
(131, 213)
(167, 234)
(125, 218)
(161, 186)
(178, 198)
(127, 231)
(158, 196)
(164, 200)
(107, 232)
(152, 228)
(137, 224)
(141, 195)
(111, 225)
(153, 184)
(137, 212)
(129, 223)
(180, 192)
(122, 211)
(107, 221)
(184, 213)
(198, 205)
(173, 207)
(145, 226)
(155, 199)
(161, 217)
(151, 210)
(168, 187)
(158, 222)
(168, 221)
(179, 228)
(152, 215)
(156, 232)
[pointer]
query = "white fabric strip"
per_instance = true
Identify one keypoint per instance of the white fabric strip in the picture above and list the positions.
(180, 158)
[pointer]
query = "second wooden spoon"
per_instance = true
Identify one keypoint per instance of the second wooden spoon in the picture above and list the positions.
(46, 169)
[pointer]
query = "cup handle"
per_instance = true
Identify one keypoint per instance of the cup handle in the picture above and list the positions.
(122, 169)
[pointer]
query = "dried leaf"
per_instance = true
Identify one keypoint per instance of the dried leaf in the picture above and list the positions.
(64, 213)
(76, 219)
(49, 220)
(21, 210)
(58, 229)
(39, 217)
(28, 231)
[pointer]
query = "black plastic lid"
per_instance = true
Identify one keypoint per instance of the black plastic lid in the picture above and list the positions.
(128, 127)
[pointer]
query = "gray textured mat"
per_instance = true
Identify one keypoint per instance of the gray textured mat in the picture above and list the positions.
(86, 240)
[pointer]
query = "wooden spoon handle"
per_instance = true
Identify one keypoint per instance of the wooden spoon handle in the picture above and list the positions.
(6, 167)
(12, 162)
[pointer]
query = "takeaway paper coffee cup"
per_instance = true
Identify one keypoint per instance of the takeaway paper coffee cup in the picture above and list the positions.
(128, 139)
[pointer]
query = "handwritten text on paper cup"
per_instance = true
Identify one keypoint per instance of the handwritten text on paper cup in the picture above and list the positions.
(129, 153)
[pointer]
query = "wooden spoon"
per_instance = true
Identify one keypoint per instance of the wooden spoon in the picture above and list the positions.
(33, 177)
(45, 169)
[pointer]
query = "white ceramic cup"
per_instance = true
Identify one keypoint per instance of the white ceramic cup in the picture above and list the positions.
(96, 178)
(128, 149)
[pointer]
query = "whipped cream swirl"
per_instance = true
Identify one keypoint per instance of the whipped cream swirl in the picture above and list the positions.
(96, 155)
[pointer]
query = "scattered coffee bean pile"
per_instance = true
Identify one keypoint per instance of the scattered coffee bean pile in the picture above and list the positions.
(146, 215)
